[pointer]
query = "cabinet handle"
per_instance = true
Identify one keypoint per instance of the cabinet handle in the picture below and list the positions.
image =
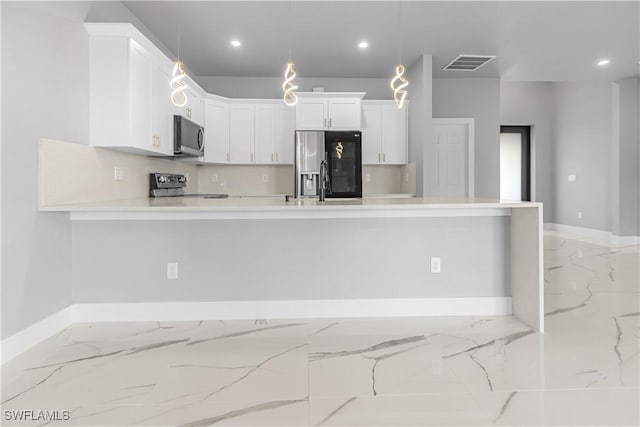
(272, 157)
(329, 123)
(324, 123)
(384, 157)
(227, 156)
(379, 158)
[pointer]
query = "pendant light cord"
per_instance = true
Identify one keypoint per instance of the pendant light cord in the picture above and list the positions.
(400, 32)
(290, 30)
(179, 27)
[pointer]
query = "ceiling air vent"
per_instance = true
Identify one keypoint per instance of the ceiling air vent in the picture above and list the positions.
(468, 62)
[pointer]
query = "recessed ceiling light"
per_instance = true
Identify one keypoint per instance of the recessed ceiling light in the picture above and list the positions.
(236, 43)
(363, 45)
(603, 62)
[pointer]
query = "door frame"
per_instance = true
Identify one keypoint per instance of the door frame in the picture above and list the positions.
(469, 124)
(527, 165)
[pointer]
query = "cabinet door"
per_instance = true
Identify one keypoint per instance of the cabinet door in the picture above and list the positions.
(344, 114)
(140, 99)
(161, 118)
(196, 108)
(371, 120)
(394, 135)
(285, 134)
(311, 114)
(216, 132)
(265, 133)
(241, 134)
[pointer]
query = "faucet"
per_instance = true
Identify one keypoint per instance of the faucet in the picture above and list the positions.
(323, 180)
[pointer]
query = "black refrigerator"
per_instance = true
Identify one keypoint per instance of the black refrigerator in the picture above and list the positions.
(343, 151)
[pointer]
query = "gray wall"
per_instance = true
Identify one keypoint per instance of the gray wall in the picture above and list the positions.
(626, 158)
(480, 99)
(582, 135)
(125, 261)
(271, 87)
(420, 77)
(45, 79)
(531, 104)
(45, 84)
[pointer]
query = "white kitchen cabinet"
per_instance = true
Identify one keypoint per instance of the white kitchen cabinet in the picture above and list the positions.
(285, 134)
(161, 114)
(394, 134)
(371, 135)
(129, 94)
(216, 132)
(274, 133)
(329, 111)
(241, 133)
(384, 133)
(194, 110)
(265, 133)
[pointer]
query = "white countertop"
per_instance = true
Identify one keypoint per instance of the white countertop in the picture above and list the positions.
(273, 207)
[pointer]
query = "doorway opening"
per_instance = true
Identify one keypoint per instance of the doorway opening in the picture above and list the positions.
(515, 163)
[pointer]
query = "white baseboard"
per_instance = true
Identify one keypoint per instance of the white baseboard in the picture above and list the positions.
(39, 331)
(593, 235)
(625, 240)
(238, 310)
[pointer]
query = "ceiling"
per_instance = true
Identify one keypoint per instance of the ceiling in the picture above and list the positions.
(533, 41)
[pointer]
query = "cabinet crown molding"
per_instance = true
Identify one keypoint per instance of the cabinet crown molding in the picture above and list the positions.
(331, 94)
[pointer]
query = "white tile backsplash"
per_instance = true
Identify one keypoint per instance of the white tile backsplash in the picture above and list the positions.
(245, 179)
(70, 173)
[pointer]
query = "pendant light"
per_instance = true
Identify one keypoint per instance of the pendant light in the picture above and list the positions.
(290, 98)
(398, 82)
(178, 86)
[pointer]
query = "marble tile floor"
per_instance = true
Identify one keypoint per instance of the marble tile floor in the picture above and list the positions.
(359, 372)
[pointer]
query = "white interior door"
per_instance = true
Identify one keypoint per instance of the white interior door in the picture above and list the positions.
(450, 168)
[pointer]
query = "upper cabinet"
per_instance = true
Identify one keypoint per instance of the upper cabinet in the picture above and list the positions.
(329, 111)
(216, 132)
(384, 133)
(248, 132)
(129, 91)
(194, 110)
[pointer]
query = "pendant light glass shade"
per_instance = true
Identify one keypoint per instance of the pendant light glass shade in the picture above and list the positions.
(178, 86)
(289, 87)
(398, 83)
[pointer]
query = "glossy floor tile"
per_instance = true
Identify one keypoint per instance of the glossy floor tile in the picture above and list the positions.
(358, 372)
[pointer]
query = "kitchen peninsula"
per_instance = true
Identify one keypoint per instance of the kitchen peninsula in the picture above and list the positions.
(382, 245)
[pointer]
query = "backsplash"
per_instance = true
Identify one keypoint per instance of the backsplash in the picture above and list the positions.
(386, 179)
(278, 179)
(245, 179)
(70, 173)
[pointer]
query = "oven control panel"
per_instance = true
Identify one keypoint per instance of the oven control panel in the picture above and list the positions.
(166, 184)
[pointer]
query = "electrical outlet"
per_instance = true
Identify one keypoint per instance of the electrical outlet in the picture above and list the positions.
(571, 178)
(118, 173)
(367, 177)
(579, 214)
(214, 177)
(265, 177)
(172, 270)
(435, 264)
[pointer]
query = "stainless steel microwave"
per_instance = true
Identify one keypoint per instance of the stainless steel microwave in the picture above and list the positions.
(188, 138)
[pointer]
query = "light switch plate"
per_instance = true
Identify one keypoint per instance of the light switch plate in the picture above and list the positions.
(572, 178)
